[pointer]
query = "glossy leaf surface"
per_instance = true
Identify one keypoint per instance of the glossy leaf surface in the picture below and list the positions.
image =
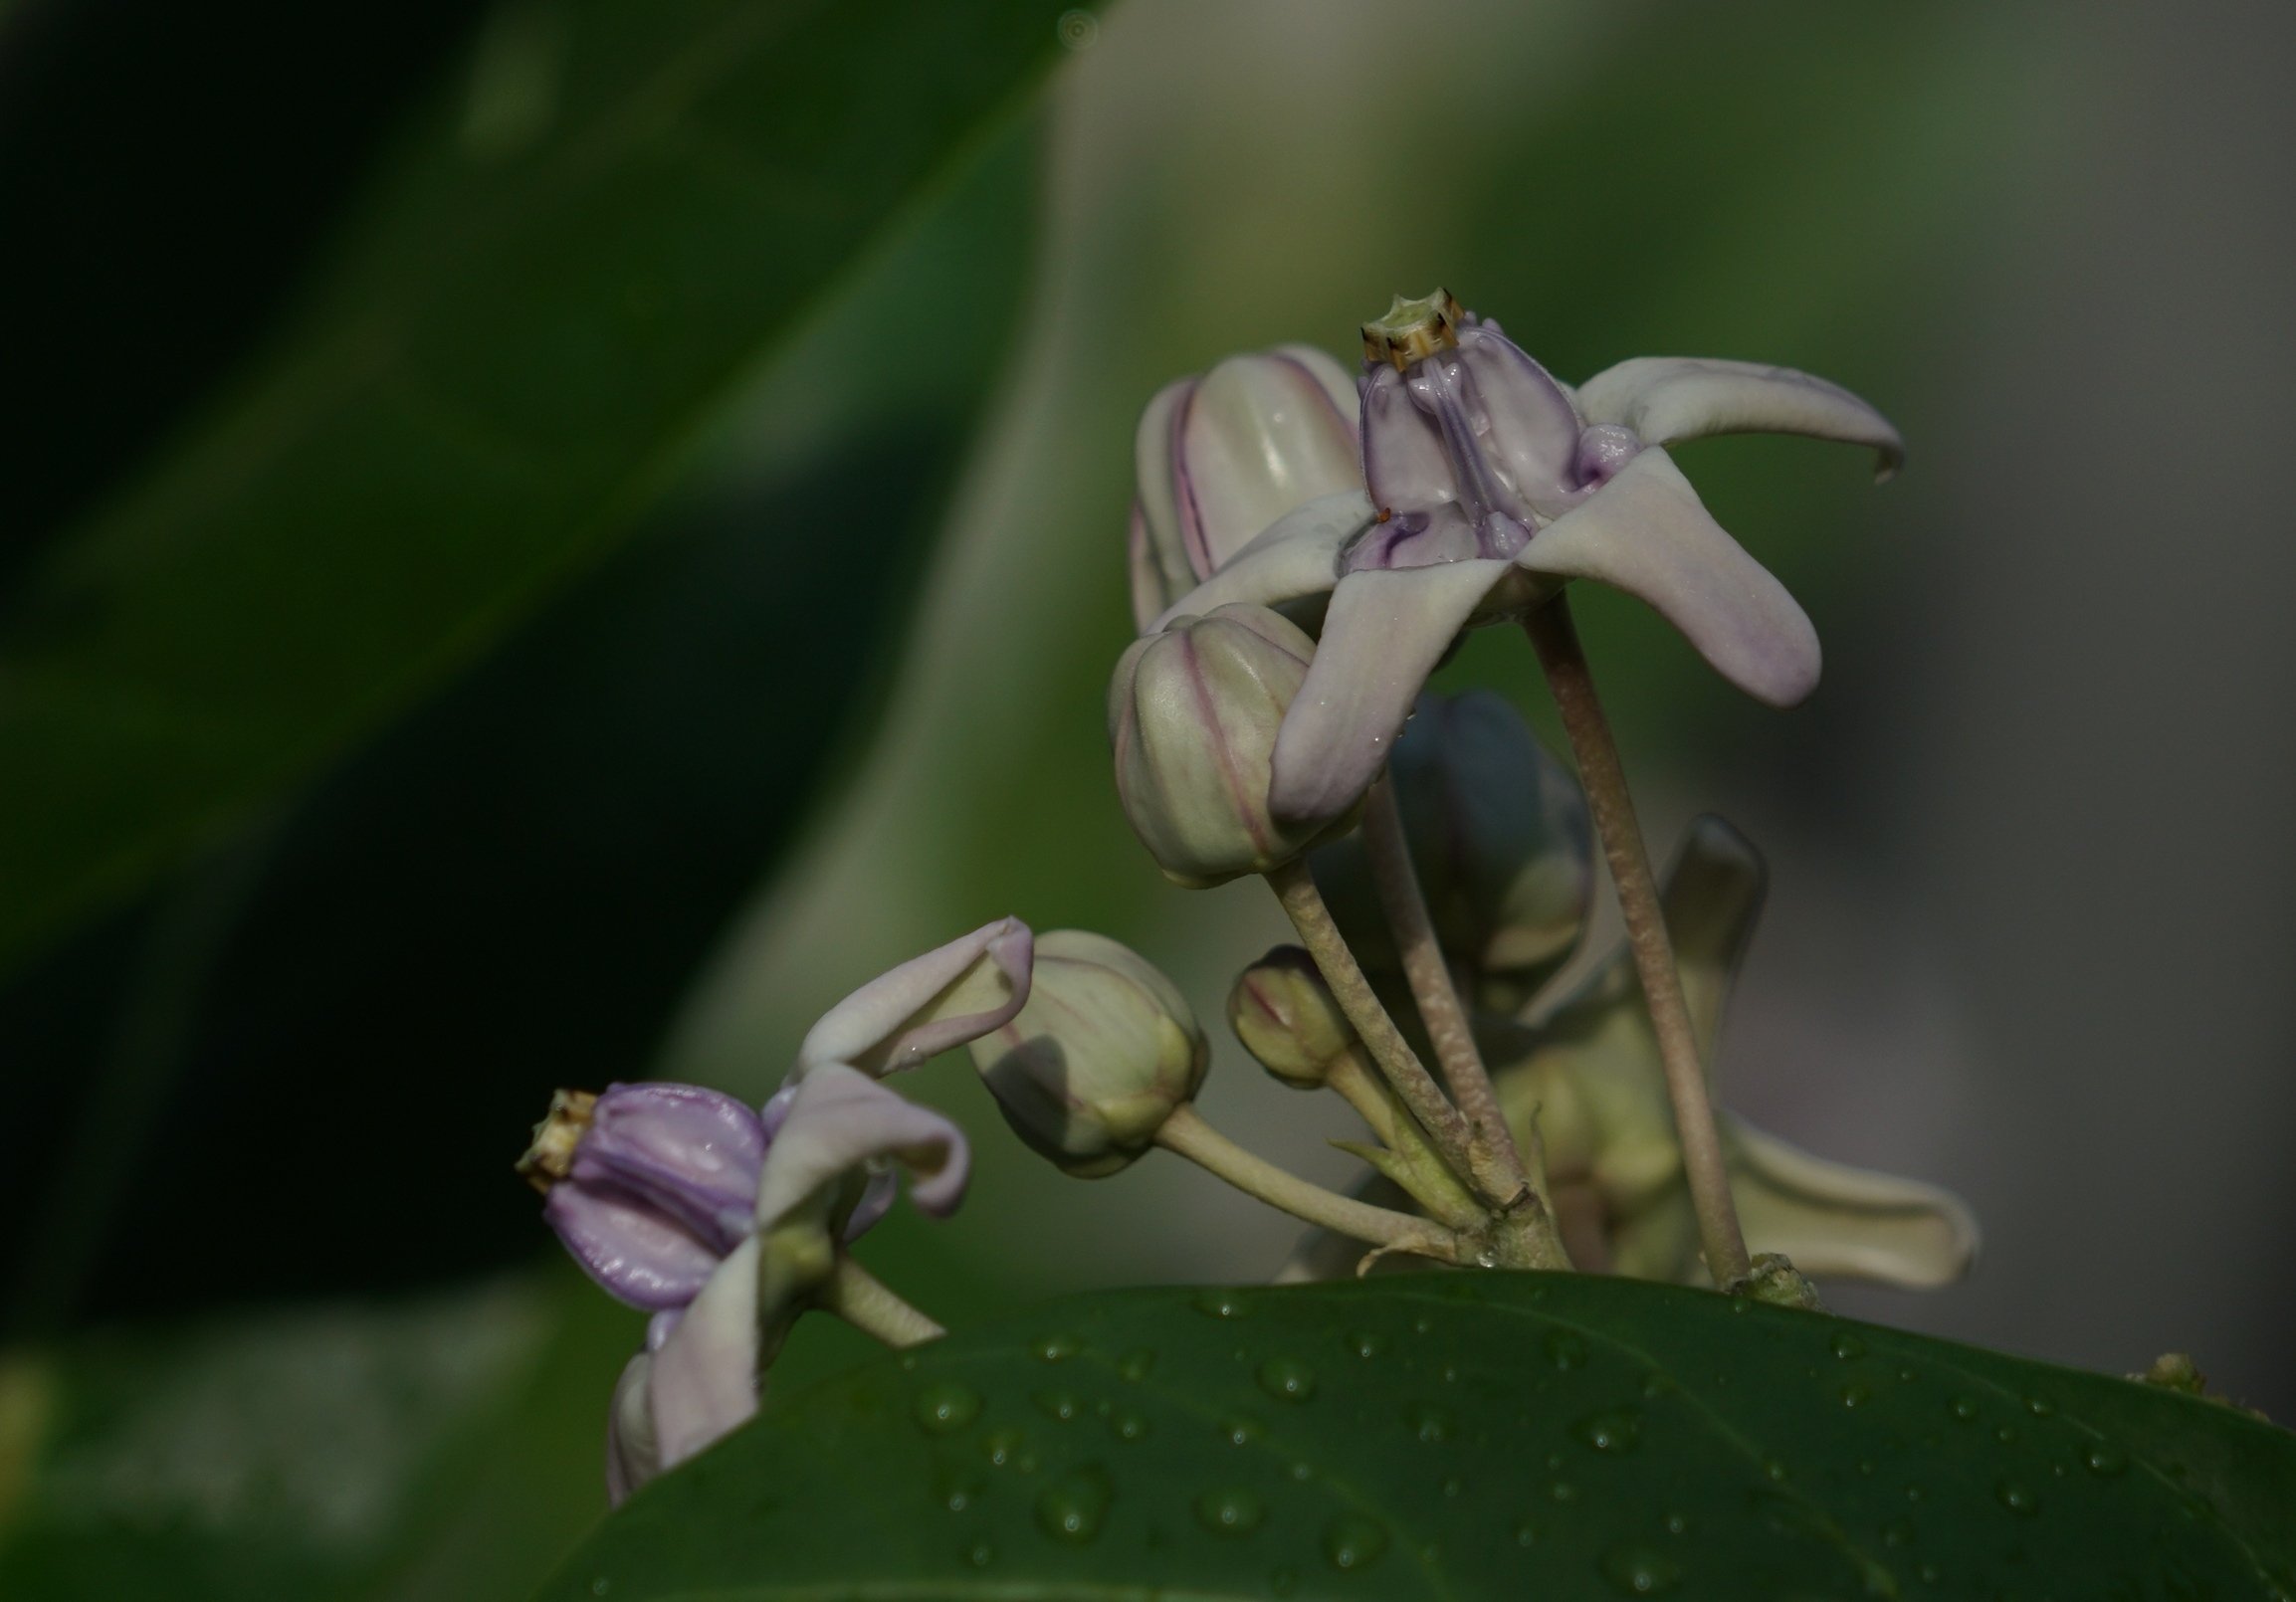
(1491, 1436)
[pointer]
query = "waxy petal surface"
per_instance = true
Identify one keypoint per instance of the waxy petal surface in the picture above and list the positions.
(703, 1382)
(1259, 436)
(1841, 1222)
(842, 1120)
(1383, 636)
(1297, 555)
(1647, 533)
(948, 996)
(691, 1152)
(1667, 399)
(637, 1253)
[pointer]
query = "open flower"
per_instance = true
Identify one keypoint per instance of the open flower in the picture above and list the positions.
(1486, 486)
(722, 1222)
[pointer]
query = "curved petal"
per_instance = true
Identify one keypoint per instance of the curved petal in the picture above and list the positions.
(1258, 436)
(1666, 399)
(1841, 1222)
(1405, 467)
(1530, 426)
(948, 996)
(693, 1152)
(637, 1253)
(703, 1382)
(1297, 555)
(1645, 533)
(1383, 636)
(632, 1457)
(1157, 518)
(841, 1119)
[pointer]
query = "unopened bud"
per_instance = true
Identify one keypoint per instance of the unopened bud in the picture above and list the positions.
(1288, 1018)
(1499, 837)
(1094, 1065)
(1194, 714)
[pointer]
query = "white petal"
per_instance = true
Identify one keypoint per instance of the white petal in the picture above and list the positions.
(1297, 555)
(1405, 465)
(1646, 532)
(1666, 399)
(1533, 431)
(1156, 524)
(632, 1457)
(1258, 437)
(1383, 636)
(702, 1383)
(1841, 1222)
(842, 1119)
(949, 995)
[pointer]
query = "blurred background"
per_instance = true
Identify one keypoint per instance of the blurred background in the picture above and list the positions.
(543, 544)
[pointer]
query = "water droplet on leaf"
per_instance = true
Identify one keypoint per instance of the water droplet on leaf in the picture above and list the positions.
(1352, 1541)
(1617, 1430)
(1129, 1424)
(1526, 1534)
(1220, 1304)
(1061, 1405)
(1431, 1423)
(1566, 1350)
(1367, 1345)
(1639, 1572)
(1288, 1379)
(1073, 1509)
(2013, 1496)
(957, 1488)
(1847, 1345)
(1230, 1512)
(1243, 1430)
(1005, 1449)
(2105, 1461)
(950, 1405)
(1856, 1395)
(981, 1552)
(1057, 1349)
(1135, 1364)
(1964, 1408)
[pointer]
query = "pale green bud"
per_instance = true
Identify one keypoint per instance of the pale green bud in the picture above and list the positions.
(1106, 1047)
(1499, 836)
(1194, 714)
(1288, 1018)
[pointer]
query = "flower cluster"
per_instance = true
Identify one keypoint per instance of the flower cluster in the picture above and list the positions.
(1305, 549)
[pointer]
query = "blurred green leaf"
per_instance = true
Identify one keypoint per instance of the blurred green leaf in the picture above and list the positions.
(1468, 1436)
(514, 352)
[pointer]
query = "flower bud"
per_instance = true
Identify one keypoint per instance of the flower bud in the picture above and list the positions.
(1288, 1018)
(1094, 1065)
(1222, 456)
(1194, 714)
(1499, 836)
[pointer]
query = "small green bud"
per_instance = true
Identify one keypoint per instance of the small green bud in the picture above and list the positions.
(1106, 1047)
(1288, 1018)
(1194, 714)
(1499, 836)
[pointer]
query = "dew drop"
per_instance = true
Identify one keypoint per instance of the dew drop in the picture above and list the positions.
(1905, 1374)
(1288, 1379)
(1230, 1512)
(1928, 1573)
(1243, 1430)
(1284, 1581)
(1617, 1430)
(1057, 1349)
(1676, 1524)
(600, 1587)
(950, 1405)
(1486, 1259)
(1423, 1325)
(909, 1362)
(1453, 1485)
(981, 1552)
(2013, 1496)
(1964, 1408)
(1563, 1490)
(1061, 1405)
(1639, 1572)
(1897, 1533)
(1135, 1364)
(1847, 1345)
(1566, 1350)
(1431, 1423)
(1774, 1468)
(1856, 1395)
(1367, 1345)
(1352, 1541)
(1450, 1374)
(1301, 1473)
(1074, 1510)
(2039, 1406)
(1005, 1449)
(2105, 1461)
(1129, 1424)
(1526, 1534)
(2005, 1434)
(1220, 1304)
(958, 1488)
(1657, 1385)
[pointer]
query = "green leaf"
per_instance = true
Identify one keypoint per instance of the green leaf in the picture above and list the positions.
(1485, 1436)
(576, 263)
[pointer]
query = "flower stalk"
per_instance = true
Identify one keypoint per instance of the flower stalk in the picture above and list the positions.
(1555, 636)
(872, 1307)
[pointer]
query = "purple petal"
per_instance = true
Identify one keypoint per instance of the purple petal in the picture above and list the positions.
(1405, 467)
(876, 1201)
(637, 1253)
(691, 1152)
(951, 994)
(1646, 532)
(1526, 424)
(1383, 636)
(842, 1120)
(1298, 556)
(1668, 399)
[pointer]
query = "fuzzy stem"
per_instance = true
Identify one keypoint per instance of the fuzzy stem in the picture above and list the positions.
(1294, 887)
(1498, 1165)
(1599, 771)
(873, 1308)
(1186, 1133)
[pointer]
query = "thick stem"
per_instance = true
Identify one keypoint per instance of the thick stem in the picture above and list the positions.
(1294, 887)
(1498, 1165)
(1431, 1182)
(1556, 639)
(1186, 1133)
(873, 1308)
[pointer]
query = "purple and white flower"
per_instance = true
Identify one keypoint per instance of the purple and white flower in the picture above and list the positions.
(1486, 486)
(721, 1221)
